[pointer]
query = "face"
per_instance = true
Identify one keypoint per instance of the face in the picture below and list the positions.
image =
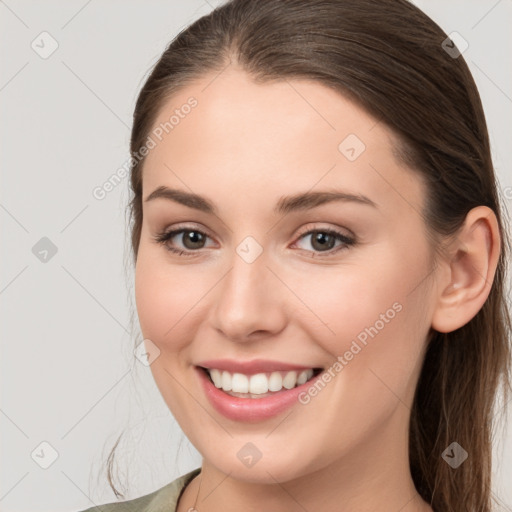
(264, 282)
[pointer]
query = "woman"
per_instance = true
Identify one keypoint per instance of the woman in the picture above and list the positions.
(320, 260)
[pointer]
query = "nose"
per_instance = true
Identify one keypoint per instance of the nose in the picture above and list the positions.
(250, 301)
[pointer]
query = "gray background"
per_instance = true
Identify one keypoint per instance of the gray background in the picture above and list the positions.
(68, 373)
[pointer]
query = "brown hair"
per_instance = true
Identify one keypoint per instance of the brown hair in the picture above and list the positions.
(387, 56)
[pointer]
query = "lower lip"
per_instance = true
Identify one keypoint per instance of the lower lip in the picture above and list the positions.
(251, 409)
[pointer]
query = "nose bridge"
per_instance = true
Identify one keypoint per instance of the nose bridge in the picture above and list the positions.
(249, 298)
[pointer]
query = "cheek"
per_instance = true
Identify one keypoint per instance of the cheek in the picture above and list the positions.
(371, 312)
(167, 299)
(379, 325)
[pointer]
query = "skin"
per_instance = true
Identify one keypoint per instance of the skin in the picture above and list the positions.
(244, 147)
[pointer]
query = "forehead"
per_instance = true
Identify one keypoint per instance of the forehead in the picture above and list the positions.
(264, 140)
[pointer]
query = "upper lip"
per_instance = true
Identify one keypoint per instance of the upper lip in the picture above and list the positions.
(251, 367)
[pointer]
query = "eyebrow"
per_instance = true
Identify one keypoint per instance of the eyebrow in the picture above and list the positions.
(298, 202)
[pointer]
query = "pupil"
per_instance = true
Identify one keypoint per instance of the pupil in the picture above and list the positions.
(321, 239)
(194, 238)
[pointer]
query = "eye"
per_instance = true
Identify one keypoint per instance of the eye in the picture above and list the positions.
(324, 240)
(191, 238)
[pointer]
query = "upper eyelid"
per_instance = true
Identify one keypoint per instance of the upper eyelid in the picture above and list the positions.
(179, 229)
(310, 226)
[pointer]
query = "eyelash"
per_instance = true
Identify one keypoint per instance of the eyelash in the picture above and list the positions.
(165, 236)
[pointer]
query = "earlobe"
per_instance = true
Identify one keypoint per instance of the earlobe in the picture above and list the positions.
(470, 268)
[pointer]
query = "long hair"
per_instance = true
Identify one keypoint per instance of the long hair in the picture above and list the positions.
(389, 58)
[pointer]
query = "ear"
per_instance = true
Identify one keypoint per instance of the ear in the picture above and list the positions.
(469, 270)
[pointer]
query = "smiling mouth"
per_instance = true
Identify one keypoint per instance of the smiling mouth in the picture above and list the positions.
(259, 385)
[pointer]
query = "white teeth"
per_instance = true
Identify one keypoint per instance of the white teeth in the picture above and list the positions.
(259, 383)
(302, 378)
(240, 383)
(275, 383)
(216, 377)
(226, 381)
(290, 380)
